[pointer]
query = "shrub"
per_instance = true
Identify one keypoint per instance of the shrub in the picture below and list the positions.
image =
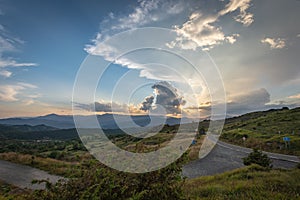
(257, 157)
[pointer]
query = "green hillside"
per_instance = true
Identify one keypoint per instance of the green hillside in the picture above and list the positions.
(253, 182)
(265, 130)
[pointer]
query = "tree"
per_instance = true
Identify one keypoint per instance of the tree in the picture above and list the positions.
(257, 157)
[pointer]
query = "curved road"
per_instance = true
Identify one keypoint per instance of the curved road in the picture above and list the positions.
(21, 175)
(222, 158)
(225, 157)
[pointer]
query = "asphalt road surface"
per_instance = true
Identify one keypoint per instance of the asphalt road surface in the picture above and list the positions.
(225, 157)
(21, 175)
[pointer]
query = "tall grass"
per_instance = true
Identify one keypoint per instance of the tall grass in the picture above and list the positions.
(253, 182)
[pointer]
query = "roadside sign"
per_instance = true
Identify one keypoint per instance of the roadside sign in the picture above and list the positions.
(286, 139)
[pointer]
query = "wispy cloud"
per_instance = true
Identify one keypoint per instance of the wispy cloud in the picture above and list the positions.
(102, 106)
(5, 64)
(145, 13)
(296, 96)
(5, 73)
(198, 31)
(140, 16)
(13, 63)
(109, 107)
(243, 17)
(275, 43)
(9, 43)
(11, 93)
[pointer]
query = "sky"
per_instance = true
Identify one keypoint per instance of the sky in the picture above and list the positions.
(247, 52)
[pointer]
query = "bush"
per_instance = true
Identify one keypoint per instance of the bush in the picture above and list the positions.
(100, 182)
(257, 157)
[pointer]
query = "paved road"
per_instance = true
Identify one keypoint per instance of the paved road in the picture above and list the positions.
(21, 175)
(225, 157)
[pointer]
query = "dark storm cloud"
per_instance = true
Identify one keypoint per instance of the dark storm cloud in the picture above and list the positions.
(251, 101)
(255, 101)
(147, 103)
(166, 96)
(103, 107)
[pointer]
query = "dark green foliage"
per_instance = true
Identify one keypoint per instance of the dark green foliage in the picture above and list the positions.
(257, 157)
(100, 182)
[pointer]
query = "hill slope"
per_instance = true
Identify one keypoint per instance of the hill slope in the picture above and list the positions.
(265, 130)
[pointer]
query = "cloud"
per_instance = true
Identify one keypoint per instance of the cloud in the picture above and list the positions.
(242, 5)
(6, 45)
(13, 63)
(250, 101)
(246, 102)
(10, 93)
(245, 18)
(5, 73)
(102, 106)
(110, 51)
(275, 43)
(110, 107)
(146, 12)
(200, 30)
(147, 103)
(296, 96)
(4, 64)
(140, 16)
(232, 39)
(166, 96)
(9, 44)
(255, 100)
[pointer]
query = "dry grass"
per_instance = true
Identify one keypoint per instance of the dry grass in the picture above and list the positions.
(48, 164)
(193, 152)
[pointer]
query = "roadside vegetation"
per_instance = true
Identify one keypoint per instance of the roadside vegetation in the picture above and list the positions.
(259, 158)
(266, 130)
(65, 155)
(252, 182)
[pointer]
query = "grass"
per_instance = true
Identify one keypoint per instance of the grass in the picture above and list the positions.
(69, 158)
(265, 130)
(50, 165)
(193, 151)
(8, 191)
(253, 182)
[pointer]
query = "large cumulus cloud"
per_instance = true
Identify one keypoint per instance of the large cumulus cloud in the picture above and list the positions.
(166, 96)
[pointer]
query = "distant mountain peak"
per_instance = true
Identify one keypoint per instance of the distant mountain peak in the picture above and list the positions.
(51, 115)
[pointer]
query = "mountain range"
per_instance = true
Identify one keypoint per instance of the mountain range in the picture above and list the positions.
(107, 121)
